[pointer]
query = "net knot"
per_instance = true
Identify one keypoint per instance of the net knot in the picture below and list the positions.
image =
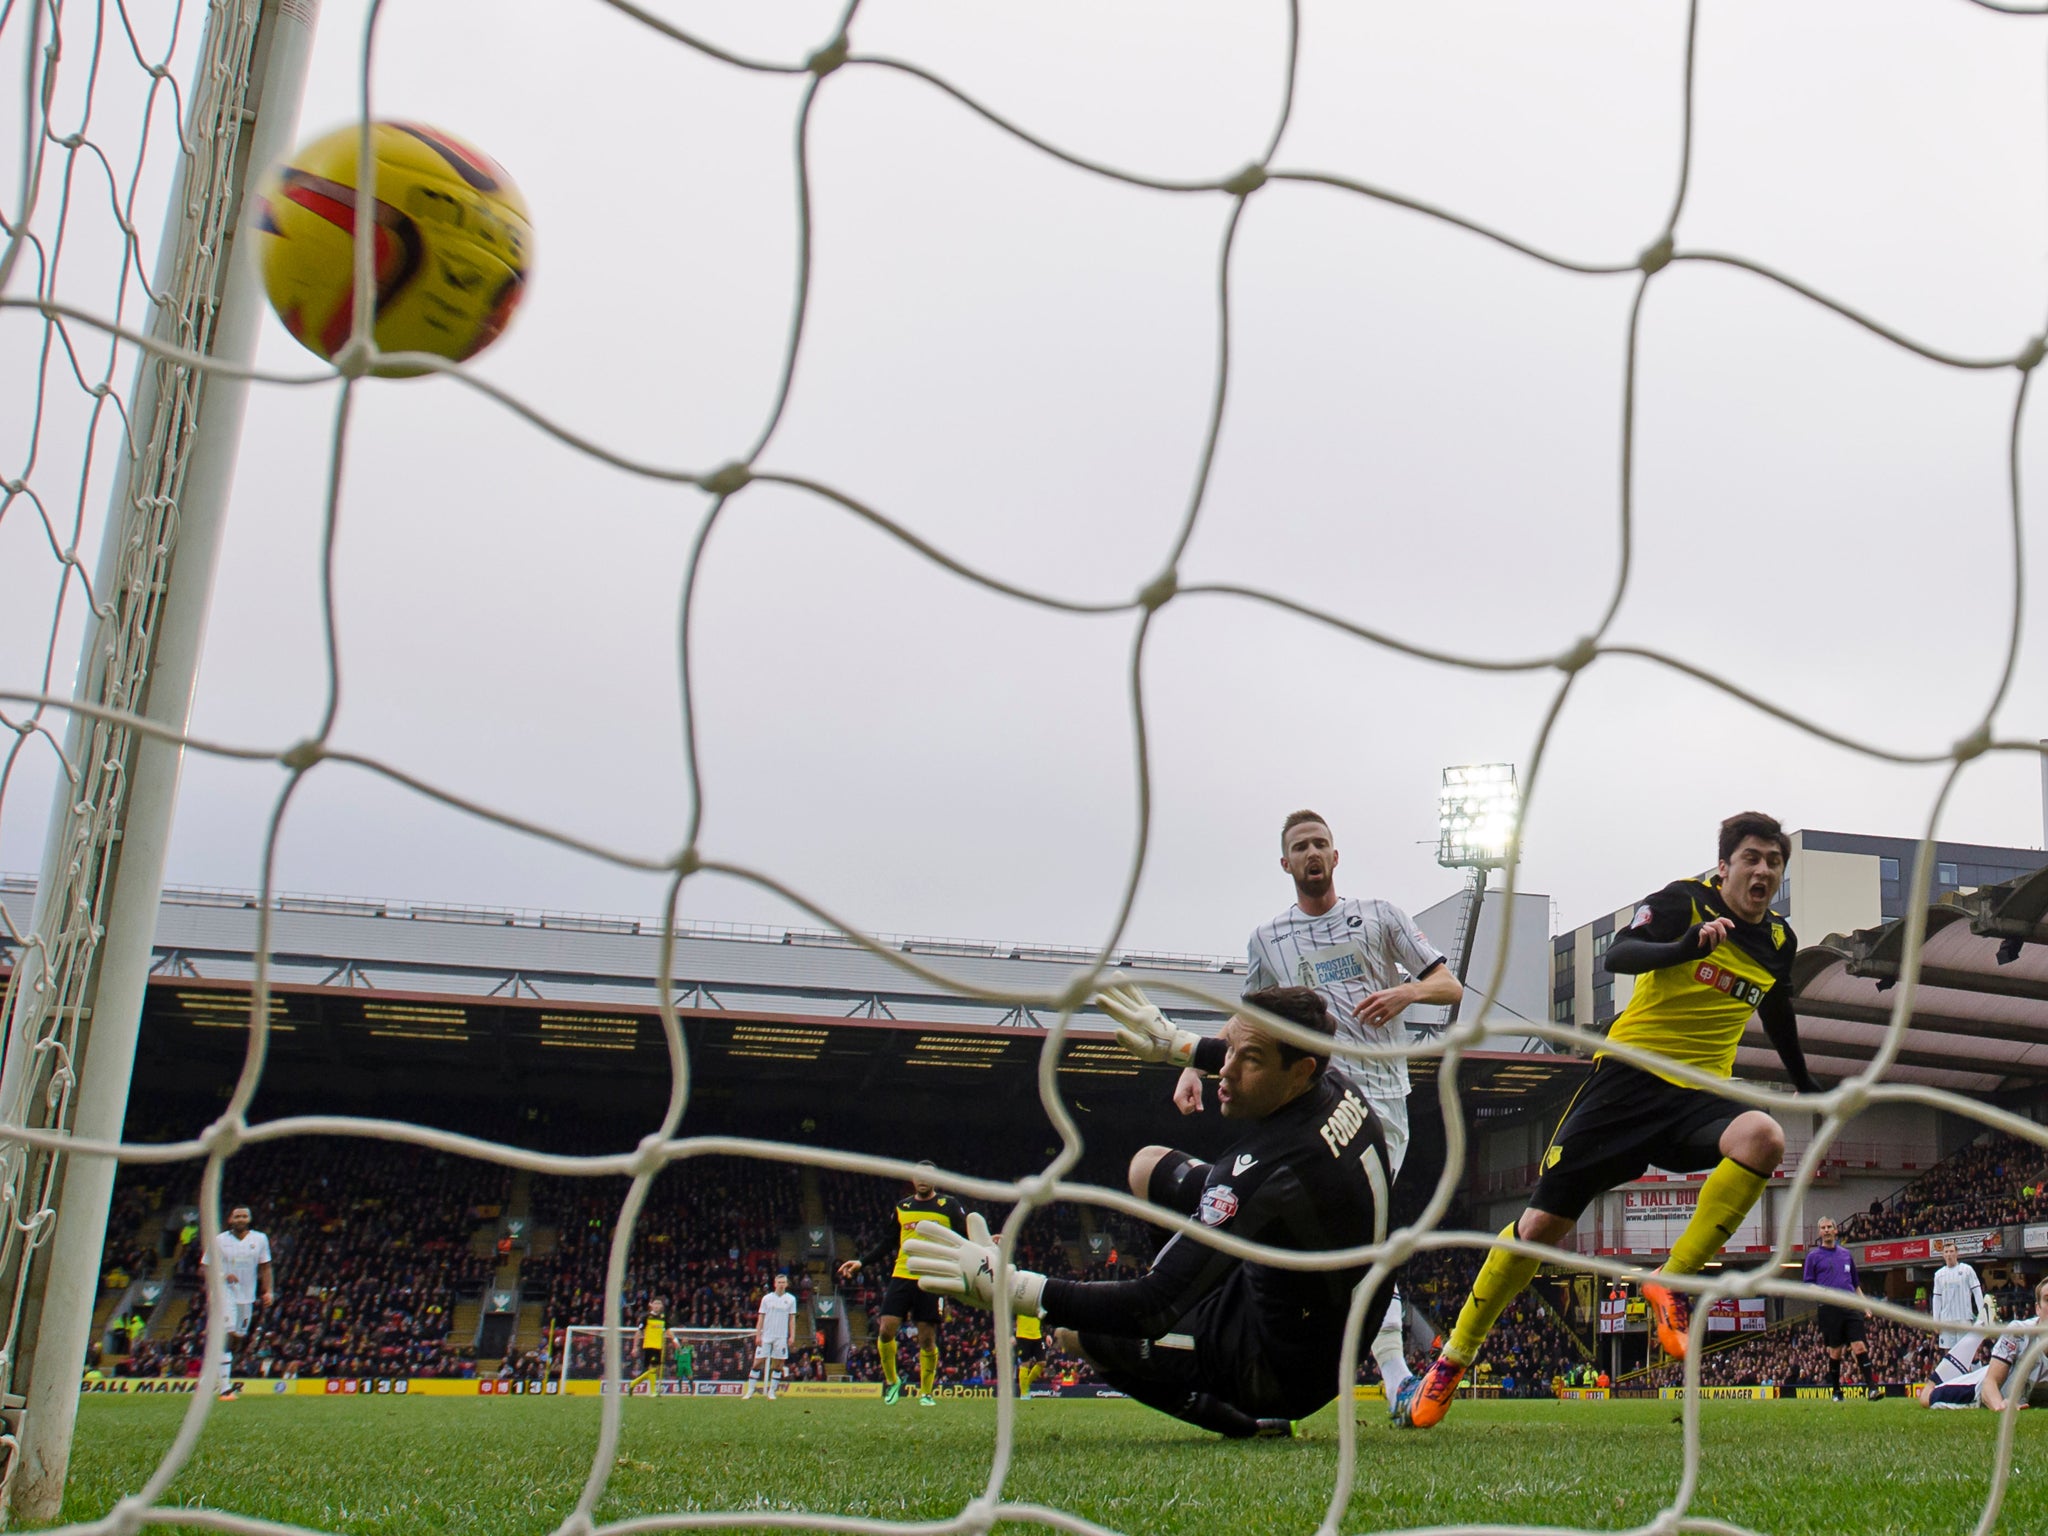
(223, 1138)
(127, 1517)
(1656, 258)
(827, 58)
(1976, 744)
(353, 360)
(303, 756)
(1159, 591)
(1037, 1189)
(979, 1515)
(1580, 655)
(1246, 181)
(689, 861)
(2031, 354)
(724, 482)
(647, 1158)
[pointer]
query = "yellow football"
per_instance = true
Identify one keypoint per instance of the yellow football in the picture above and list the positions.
(452, 243)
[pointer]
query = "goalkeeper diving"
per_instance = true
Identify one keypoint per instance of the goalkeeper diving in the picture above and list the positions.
(1230, 1345)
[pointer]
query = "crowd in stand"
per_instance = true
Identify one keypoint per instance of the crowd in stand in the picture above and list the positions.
(708, 1241)
(374, 1243)
(1530, 1344)
(1998, 1181)
(370, 1245)
(864, 1207)
(1793, 1355)
(138, 1194)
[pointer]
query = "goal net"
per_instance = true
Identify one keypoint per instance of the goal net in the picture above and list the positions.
(107, 363)
(715, 1357)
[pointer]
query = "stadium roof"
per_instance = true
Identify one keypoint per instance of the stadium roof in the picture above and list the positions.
(361, 983)
(1980, 1017)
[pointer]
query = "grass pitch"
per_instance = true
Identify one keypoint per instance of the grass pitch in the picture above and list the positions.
(516, 1465)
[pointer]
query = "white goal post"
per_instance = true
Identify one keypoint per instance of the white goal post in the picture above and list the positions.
(73, 1005)
(583, 1349)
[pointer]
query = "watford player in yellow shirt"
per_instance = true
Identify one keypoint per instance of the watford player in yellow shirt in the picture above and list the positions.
(902, 1298)
(1707, 955)
(652, 1332)
(1030, 1352)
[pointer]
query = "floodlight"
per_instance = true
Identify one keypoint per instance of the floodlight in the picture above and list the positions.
(1476, 811)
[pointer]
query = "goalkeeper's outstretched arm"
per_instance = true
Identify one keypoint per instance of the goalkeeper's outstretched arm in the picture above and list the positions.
(965, 1265)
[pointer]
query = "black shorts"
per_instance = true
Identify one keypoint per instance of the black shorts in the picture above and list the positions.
(1620, 1123)
(1031, 1349)
(1839, 1326)
(1219, 1348)
(903, 1299)
(650, 1359)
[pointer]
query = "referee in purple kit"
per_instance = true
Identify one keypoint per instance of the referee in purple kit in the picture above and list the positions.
(1830, 1265)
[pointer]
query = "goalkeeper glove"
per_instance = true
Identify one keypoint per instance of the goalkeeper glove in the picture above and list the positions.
(1987, 1312)
(948, 1264)
(1142, 1029)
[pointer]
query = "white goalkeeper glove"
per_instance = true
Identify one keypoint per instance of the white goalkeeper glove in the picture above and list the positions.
(1987, 1312)
(948, 1264)
(1142, 1029)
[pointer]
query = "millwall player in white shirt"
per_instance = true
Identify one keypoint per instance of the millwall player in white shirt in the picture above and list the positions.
(1352, 950)
(773, 1335)
(1960, 1304)
(1992, 1383)
(245, 1273)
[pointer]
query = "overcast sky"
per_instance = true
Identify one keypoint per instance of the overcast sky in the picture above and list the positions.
(1015, 359)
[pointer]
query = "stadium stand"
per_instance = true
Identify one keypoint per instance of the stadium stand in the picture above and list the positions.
(709, 1238)
(372, 1250)
(1531, 1343)
(1791, 1354)
(1994, 1181)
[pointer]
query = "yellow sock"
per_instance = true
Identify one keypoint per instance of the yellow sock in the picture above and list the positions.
(1725, 1199)
(887, 1350)
(1502, 1278)
(1027, 1374)
(927, 1371)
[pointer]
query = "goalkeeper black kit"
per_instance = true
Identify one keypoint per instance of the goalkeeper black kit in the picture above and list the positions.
(1221, 1341)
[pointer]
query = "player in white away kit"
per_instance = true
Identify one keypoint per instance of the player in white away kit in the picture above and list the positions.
(1352, 951)
(1992, 1383)
(245, 1273)
(774, 1334)
(1958, 1301)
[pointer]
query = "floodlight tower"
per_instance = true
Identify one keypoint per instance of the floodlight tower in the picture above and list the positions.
(1476, 812)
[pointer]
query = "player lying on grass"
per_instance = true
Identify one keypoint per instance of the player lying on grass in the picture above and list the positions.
(902, 1299)
(1237, 1347)
(1959, 1301)
(1706, 954)
(1990, 1384)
